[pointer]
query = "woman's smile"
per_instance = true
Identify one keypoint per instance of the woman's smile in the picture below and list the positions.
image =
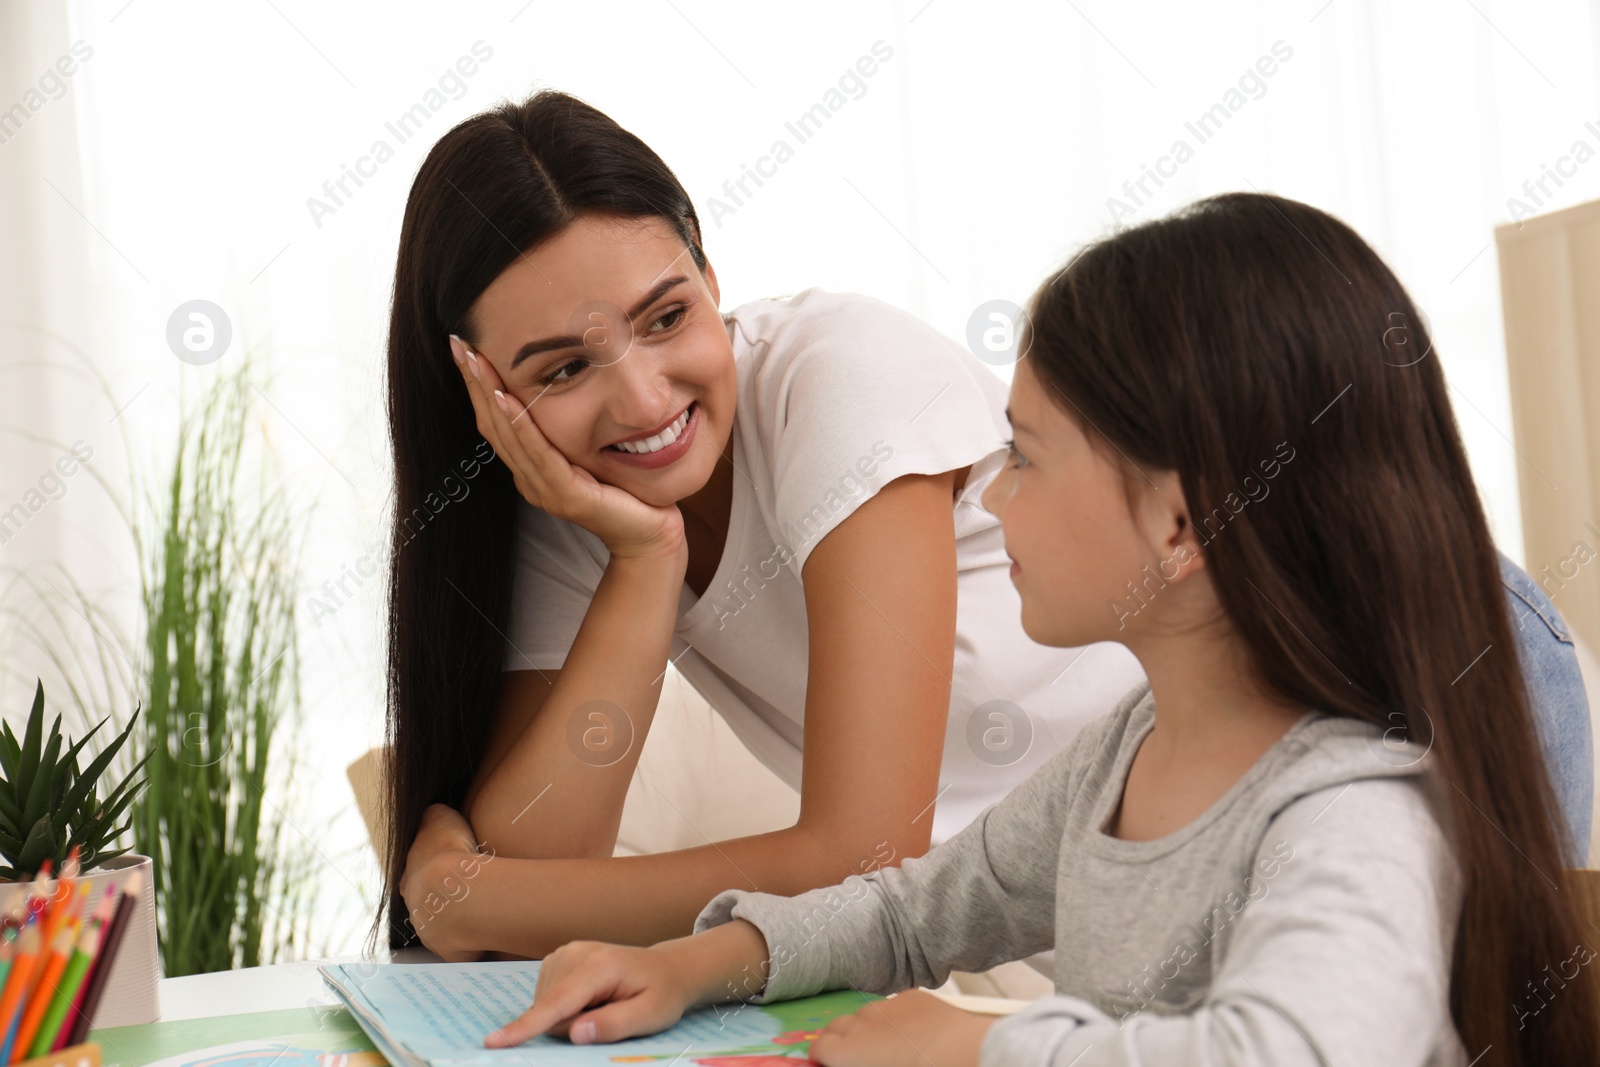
(659, 449)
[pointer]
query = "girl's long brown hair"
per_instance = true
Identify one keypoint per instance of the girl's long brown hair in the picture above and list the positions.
(491, 189)
(1367, 583)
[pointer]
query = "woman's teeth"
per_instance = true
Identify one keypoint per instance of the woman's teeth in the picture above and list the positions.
(661, 440)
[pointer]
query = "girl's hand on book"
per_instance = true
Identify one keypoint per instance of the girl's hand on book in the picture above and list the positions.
(910, 1029)
(590, 991)
(624, 523)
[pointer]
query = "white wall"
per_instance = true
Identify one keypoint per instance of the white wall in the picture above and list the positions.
(179, 160)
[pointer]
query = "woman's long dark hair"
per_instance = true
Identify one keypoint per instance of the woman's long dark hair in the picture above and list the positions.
(1367, 584)
(492, 189)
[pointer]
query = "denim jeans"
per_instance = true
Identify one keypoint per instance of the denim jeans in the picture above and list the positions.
(1559, 703)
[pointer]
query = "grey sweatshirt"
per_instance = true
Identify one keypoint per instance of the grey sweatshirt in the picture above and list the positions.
(1307, 917)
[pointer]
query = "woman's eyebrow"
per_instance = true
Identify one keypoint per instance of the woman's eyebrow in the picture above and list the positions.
(533, 348)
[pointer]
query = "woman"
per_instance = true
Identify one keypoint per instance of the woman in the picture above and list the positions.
(781, 502)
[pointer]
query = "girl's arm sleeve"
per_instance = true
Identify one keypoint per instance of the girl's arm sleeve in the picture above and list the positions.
(984, 897)
(1345, 959)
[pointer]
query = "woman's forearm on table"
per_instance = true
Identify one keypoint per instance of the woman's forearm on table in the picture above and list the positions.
(532, 907)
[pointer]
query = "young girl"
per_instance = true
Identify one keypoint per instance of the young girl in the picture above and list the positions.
(1321, 832)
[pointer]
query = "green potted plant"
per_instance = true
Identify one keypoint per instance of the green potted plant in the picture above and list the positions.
(235, 877)
(213, 662)
(48, 807)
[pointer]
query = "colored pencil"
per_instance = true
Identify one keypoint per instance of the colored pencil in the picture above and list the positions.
(8, 951)
(62, 905)
(58, 929)
(66, 909)
(102, 920)
(44, 990)
(100, 974)
(55, 1015)
(43, 885)
(39, 896)
(22, 972)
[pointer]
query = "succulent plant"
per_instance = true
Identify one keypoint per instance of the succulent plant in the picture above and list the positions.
(47, 805)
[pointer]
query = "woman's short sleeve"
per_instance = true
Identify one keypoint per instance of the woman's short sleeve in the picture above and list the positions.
(855, 393)
(558, 568)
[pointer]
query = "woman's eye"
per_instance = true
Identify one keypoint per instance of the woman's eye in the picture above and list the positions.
(676, 315)
(671, 318)
(554, 377)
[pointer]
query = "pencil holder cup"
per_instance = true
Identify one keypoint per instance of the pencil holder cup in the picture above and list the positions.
(86, 1055)
(131, 994)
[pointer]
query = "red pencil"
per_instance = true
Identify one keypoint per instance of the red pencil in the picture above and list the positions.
(102, 914)
(95, 983)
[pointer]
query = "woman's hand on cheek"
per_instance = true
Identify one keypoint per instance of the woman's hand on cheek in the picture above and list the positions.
(437, 880)
(624, 523)
(504, 421)
(911, 1029)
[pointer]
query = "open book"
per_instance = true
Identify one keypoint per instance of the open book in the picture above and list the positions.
(437, 1015)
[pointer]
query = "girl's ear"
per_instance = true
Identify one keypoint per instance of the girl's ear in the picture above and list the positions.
(1167, 529)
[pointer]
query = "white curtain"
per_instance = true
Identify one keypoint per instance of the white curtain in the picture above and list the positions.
(206, 152)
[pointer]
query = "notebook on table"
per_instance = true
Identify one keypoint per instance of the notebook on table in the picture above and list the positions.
(437, 1015)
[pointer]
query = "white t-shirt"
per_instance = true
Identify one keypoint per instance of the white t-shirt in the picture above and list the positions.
(838, 395)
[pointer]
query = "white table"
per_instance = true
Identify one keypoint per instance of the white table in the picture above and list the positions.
(269, 988)
(300, 985)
